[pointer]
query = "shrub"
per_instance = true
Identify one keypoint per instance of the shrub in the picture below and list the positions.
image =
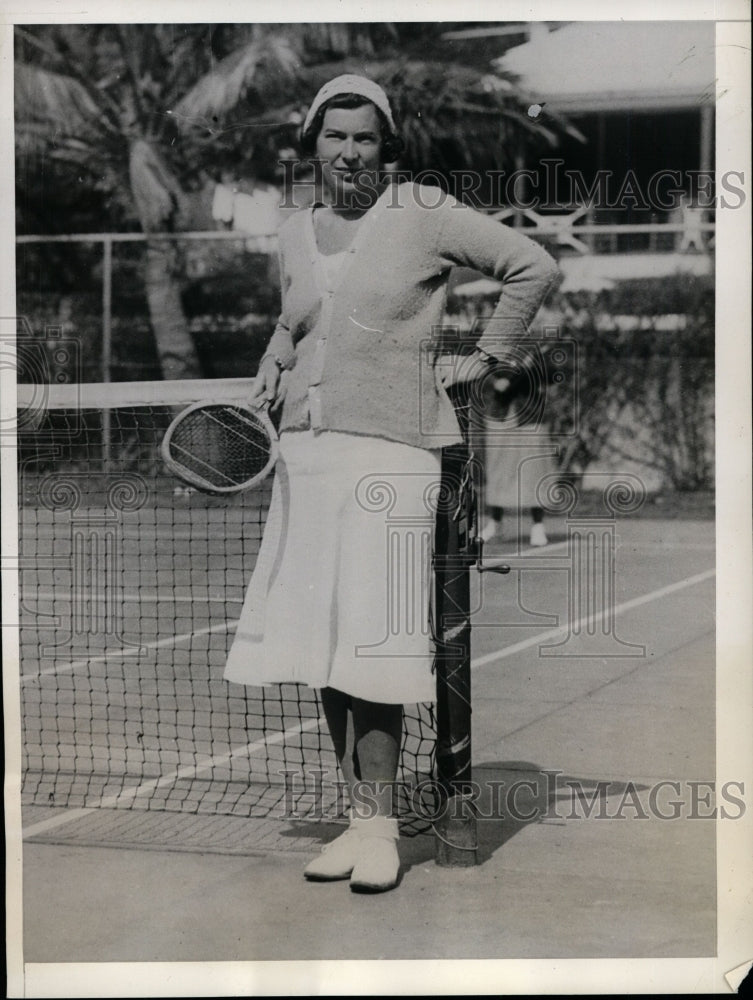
(645, 378)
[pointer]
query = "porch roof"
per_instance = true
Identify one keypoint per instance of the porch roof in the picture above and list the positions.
(591, 66)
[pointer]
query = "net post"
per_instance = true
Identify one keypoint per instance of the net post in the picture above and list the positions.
(106, 339)
(455, 825)
(106, 306)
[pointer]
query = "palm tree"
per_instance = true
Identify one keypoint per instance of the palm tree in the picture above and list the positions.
(453, 113)
(145, 111)
(93, 99)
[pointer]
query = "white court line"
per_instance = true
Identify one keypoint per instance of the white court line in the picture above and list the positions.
(635, 602)
(480, 661)
(140, 597)
(498, 554)
(523, 551)
(193, 770)
(684, 546)
(128, 651)
(187, 771)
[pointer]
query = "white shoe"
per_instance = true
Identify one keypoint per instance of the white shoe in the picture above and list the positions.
(488, 531)
(538, 535)
(378, 865)
(338, 858)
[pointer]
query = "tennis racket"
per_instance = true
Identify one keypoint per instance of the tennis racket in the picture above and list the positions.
(220, 447)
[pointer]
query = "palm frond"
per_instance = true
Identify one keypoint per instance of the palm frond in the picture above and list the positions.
(259, 65)
(449, 115)
(41, 95)
(155, 190)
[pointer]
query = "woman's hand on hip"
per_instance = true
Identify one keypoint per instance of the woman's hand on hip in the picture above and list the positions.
(454, 369)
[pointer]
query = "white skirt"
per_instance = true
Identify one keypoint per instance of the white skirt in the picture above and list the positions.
(340, 596)
(515, 463)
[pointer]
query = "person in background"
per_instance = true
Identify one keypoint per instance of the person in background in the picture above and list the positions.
(517, 450)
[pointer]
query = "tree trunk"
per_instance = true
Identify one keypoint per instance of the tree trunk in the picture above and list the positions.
(156, 194)
(175, 347)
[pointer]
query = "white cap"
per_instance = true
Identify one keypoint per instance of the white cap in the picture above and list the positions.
(350, 83)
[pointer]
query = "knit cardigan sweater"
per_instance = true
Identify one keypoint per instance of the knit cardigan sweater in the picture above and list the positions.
(361, 358)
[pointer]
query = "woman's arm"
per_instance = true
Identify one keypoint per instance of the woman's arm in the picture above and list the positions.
(457, 368)
(526, 271)
(279, 356)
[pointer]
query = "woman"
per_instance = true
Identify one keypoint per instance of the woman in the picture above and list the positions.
(364, 417)
(518, 452)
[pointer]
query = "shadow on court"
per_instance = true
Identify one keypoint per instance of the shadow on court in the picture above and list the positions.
(594, 815)
(507, 797)
(514, 794)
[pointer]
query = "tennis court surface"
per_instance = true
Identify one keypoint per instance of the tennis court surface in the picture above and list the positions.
(583, 738)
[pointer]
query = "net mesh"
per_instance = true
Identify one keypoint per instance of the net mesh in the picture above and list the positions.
(130, 588)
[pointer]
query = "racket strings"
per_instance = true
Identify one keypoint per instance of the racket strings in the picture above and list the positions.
(224, 446)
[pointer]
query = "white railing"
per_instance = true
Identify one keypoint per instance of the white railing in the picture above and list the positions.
(266, 243)
(568, 230)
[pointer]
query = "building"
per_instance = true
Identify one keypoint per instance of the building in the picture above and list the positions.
(638, 159)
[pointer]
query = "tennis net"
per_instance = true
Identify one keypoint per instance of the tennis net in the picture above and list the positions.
(130, 589)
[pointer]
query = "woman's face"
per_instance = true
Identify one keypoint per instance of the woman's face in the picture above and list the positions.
(349, 146)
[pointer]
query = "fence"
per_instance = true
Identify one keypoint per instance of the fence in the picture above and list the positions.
(660, 324)
(567, 233)
(109, 293)
(578, 230)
